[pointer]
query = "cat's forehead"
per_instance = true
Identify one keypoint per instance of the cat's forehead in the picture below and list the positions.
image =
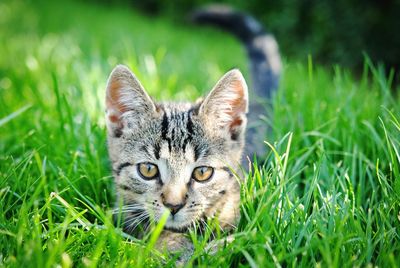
(177, 115)
(182, 131)
(175, 107)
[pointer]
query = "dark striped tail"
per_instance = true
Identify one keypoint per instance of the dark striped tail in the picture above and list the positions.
(265, 65)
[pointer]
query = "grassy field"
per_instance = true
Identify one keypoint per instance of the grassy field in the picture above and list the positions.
(329, 192)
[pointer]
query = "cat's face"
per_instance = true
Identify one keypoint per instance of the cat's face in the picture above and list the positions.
(176, 157)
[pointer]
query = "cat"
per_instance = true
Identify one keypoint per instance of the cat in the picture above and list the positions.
(182, 157)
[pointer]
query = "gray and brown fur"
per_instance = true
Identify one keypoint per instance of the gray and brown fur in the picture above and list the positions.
(177, 137)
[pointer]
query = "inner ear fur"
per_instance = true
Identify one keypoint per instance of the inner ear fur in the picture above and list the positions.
(126, 100)
(227, 104)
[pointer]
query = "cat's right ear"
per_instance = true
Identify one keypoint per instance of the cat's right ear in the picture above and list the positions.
(128, 104)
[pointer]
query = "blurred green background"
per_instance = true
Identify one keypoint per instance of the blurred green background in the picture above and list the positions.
(337, 32)
(329, 195)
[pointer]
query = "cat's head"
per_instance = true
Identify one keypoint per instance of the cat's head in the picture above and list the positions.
(176, 156)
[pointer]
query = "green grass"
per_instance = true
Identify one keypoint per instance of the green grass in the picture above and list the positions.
(328, 194)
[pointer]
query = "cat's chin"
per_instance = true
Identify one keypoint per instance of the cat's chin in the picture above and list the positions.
(176, 225)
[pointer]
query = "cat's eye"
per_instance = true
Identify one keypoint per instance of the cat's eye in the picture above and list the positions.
(202, 173)
(148, 171)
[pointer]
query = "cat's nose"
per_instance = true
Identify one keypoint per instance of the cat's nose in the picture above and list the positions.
(174, 208)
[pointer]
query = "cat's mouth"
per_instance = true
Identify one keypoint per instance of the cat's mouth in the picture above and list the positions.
(179, 224)
(175, 225)
(183, 229)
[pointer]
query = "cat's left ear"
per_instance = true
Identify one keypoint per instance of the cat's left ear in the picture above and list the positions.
(226, 105)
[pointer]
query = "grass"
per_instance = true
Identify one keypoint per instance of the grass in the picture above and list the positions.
(328, 194)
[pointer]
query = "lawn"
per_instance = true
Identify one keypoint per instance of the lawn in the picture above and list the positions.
(328, 194)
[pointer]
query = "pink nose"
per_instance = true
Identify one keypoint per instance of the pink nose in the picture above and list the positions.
(174, 208)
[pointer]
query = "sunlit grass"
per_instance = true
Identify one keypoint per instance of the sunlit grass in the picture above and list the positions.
(328, 194)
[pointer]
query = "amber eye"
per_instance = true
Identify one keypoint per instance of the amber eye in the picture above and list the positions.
(202, 173)
(148, 171)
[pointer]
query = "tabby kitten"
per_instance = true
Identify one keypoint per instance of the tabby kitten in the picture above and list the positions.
(176, 156)
(181, 157)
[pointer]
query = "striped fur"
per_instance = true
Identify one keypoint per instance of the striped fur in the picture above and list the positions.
(177, 137)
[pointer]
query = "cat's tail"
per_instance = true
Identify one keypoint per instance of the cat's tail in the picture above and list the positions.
(265, 65)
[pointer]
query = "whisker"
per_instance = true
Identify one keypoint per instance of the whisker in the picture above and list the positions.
(132, 219)
(127, 211)
(134, 222)
(126, 208)
(211, 230)
(228, 223)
